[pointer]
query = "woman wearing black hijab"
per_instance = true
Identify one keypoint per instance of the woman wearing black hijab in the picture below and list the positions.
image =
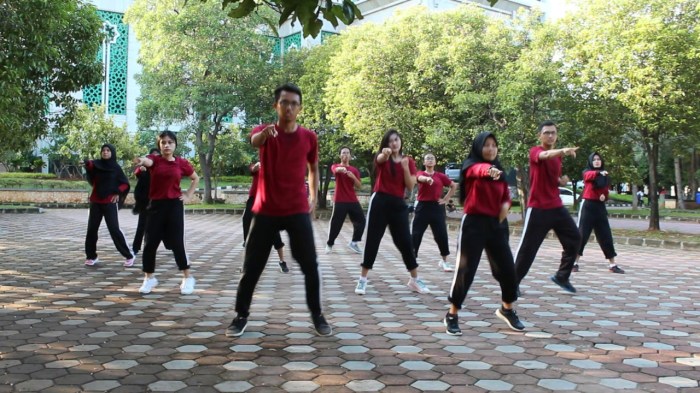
(486, 198)
(109, 188)
(592, 214)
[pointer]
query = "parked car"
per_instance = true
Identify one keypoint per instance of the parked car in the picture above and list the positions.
(567, 196)
(452, 170)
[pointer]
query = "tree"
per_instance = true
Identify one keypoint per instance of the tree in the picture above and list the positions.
(48, 51)
(642, 56)
(201, 70)
(83, 136)
(309, 13)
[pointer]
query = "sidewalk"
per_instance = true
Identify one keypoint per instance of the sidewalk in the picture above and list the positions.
(68, 328)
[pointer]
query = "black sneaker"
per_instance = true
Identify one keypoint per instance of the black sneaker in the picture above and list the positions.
(511, 318)
(283, 267)
(565, 285)
(452, 325)
(575, 268)
(616, 269)
(322, 327)
(237, 327)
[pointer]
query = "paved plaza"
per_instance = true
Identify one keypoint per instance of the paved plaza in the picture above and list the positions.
(65, 327)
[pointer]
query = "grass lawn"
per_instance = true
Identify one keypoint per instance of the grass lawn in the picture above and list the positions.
(659, 235)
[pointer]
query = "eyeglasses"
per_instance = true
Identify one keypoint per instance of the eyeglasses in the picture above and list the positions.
(549, 133)
(291, 104)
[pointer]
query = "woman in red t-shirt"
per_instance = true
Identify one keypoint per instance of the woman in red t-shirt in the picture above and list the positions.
(486, 198)
(395, 173)
(166, 220)
(109, 183)
(592, 214)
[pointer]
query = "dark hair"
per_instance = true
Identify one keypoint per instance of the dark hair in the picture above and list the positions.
(344, 147)
(154, 150)
(546, 123)
(385, 139)
(290, 88)
(169, 134)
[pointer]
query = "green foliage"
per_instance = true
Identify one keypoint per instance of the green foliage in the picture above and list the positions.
(27, 175)
(48, 51)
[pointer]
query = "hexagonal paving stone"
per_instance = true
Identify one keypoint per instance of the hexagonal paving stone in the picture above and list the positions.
(678, 382)
(560, 348)
(167, 386)
(120, 364)
(83, 348)
(585, 363)
(240, 366)
(610, 347)
(34, 385)
(641, 363)
(365, 386)
(180, 364)
(510, 349)
(659, 346)
(349, 336)
(101, 386)
(191, 348)
(299, 386)
(299, 366)
(62, 364)
(233, 386)
(137, 348)
(458, 349)
(300, 349)
(530, 364)
(201, 335)
(430, 385)
(494, 385)
(245, 348)
(474, 365)
(556, 384)
(358, 365)
(416, 365)
(406, 349)
(618, 383)
(353, 349)
(693, 362)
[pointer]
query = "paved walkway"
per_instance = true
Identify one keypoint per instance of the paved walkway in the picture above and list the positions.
(68, 328)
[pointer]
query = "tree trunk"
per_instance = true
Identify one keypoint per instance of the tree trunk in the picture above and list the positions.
(326, 181)
(523, 185)
(653, 155)
(635, 202)
(679, 183)
(692, 174)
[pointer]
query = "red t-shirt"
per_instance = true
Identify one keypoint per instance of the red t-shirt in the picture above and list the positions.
(544, 181)
(432, 193)
(282, 175)
(485, 196)
(589, 191)
(344, 185)
(94, 198)
(166, 176)
(392, 184)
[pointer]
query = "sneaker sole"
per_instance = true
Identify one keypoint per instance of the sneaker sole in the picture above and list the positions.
(504, 319)
(554, 280)
(360, 292)
(323, 335)
(228, 334)
(416, 289)
(448, 332)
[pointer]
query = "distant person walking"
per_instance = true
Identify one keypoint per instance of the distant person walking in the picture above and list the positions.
(592, 214)
(248, 217)
(430, 210)
(166, 221)
(345, 202)
(141, 191)
(545, 210)
(109, 188)
(640, 198)
(395, 173)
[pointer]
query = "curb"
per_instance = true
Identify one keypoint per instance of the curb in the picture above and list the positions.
(645, 217)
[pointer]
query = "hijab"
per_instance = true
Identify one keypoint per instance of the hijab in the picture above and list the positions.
(108, 174)
(475, 157)
(600, 181)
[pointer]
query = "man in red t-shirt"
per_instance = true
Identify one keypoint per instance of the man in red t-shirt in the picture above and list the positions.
(545, 209)
(286, 151)
(345, 202)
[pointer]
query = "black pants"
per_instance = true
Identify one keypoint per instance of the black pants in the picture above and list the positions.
(257, 251)
(166, 223)
(593, 216)
(140, 230)
(111, 215)
(385, 209)
(537, 223)
(248, 217)
(357, 217)
(430, 214)
(478, 233)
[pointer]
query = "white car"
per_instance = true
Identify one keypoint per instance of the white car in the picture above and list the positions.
(567, 196)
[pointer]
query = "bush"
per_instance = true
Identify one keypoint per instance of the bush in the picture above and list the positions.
(27, 175)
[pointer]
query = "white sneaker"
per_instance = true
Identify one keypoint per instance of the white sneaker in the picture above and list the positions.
(418, 285)
(187, 286)
(445, 266)
(91, 262)
(148, 284)
(129, 262)
(361, 287)
(353, 246)
(329, 249)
